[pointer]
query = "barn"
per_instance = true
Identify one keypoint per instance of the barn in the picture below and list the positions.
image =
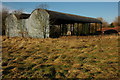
(46, 23)
(114, 30)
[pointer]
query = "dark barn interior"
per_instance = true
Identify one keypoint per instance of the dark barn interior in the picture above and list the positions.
(61, 23)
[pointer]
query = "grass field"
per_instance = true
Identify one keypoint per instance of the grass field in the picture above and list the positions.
(91, 57)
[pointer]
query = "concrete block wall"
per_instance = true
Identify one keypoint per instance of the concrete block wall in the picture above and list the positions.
(36, 26)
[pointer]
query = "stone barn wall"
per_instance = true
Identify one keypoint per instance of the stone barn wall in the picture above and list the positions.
(36, 26)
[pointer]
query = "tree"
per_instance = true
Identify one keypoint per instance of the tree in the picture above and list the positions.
(104, 23)
(116, 22)
(43, 6)
(112, 25)
(5, 13)
(17, 12)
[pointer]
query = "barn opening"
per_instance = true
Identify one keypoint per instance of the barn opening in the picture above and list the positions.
(61, 24)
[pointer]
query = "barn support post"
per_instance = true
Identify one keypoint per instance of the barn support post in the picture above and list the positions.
(73, 28)
(93, 31)
(82, 29)
(64, 29)
(85, 28)
(98, 27)
(60, 29)
(101, 28)
(69, 27)
(63, 25)
(77, 29)
(95, 27)
(89, 28)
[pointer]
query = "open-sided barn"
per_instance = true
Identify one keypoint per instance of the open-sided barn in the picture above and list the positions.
(45, 23)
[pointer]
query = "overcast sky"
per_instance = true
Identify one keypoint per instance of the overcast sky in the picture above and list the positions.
(106, 10)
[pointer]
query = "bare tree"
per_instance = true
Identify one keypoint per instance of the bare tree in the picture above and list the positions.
(43, 6)
(104, 23)
(4, 13)
(17, 12)
(116, 22)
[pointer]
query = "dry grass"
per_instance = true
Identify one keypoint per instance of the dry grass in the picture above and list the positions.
(90, 57)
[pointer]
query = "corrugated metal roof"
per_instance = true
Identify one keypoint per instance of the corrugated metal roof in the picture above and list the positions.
(64, 18)
(114, 28)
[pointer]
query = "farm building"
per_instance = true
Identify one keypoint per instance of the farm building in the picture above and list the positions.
(114, 30)
(45, 23)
